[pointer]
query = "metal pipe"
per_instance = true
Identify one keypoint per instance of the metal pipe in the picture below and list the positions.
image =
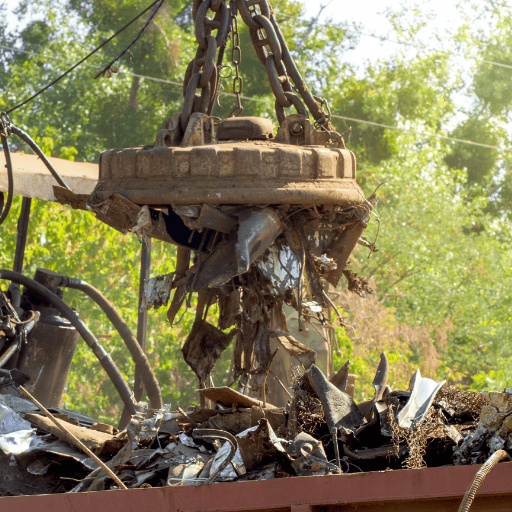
(8, 353)
(19, 255)
(148, 377)
(142, 318)
(21, 240)
(103, 357)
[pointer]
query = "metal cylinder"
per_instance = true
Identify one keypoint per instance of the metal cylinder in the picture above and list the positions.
(47, 357)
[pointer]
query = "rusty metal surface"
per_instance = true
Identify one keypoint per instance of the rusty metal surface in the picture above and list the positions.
(257, 172)
(243, 128)
(419, 490)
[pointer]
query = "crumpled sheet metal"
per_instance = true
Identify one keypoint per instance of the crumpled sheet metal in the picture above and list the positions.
(203, 347)
(259, 445)
(282, 267)
(309, 457)
(422, 395)
(11, 421)
(340, 378)
(258, 228)
(16, 442)
(157, 291)
(203, 216)
(340, 410)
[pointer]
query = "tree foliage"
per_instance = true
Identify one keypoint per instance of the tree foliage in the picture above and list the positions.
(443, 270)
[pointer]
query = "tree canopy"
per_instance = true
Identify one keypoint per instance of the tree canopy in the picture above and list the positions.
(433, 126)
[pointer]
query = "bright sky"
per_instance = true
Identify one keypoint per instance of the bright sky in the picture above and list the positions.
(370, 17)
(371, 23)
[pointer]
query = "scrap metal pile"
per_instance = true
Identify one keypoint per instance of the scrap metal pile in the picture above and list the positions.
(321, 431)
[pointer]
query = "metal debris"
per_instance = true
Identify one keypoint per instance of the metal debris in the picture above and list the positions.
(422, 395)
(157, 291)
(321, 431)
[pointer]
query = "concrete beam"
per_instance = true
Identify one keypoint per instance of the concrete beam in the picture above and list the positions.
(33, 179)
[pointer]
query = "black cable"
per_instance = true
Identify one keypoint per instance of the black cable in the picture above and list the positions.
(103, 357)
(25, 137)
(108, 67)
(10, 179)
(83, 60)
(138, 356)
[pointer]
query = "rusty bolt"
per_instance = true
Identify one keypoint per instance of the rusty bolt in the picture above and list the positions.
(296, 128)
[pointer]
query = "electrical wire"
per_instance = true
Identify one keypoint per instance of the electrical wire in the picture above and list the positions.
(334, 116)
(83, 60)
(416, 47)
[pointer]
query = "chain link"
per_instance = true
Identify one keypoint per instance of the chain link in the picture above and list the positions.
(279, 64)
(272, 51)
(236, 59)
(202, 71)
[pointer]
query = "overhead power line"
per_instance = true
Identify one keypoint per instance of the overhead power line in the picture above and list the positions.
(268, 102)
(416, 47)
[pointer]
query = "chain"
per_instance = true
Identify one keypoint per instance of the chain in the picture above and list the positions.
(279, 64)
(202, 71)
(272, 51)
(236, 58)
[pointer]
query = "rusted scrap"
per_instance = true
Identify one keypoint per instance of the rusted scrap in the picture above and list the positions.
(206, 216)
(340, 378)
(96, 441)
(380, 380)
(228, 396)
(203, 347)
(339, 408)
(304, 355)
(260, 446)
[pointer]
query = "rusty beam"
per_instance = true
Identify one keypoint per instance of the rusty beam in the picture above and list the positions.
(421, 490)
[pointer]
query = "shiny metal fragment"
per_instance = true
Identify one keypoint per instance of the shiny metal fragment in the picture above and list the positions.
(423, 392)
(157, 291)
(258, 229)
(282, 267)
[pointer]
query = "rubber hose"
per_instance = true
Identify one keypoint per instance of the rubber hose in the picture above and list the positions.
(37, 150)
(103, 357)
(479, 478)
(10, 180)
(139, 358)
